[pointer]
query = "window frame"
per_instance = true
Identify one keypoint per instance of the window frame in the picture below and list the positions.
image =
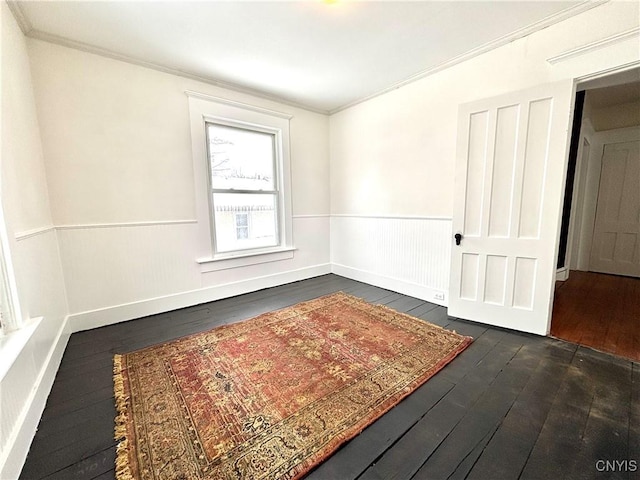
(205, 109)
(276, 192)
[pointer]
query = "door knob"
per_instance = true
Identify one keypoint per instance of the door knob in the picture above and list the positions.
(458, 237)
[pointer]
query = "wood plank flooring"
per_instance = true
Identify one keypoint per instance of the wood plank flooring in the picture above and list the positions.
(599, 311)
(510, 406)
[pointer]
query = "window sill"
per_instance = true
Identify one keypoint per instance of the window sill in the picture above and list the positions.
(12, 344)
(244, 259)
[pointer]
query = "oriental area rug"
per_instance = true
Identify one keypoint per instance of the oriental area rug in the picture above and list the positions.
(273, 396)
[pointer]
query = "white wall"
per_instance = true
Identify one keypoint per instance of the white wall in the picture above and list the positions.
(394, 155)
(117, 145)
(34, 254)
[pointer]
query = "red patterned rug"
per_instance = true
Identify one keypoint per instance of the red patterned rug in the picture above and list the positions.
(273, 396)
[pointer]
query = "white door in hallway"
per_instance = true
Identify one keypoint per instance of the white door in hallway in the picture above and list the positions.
(616, 235)
(510, 172)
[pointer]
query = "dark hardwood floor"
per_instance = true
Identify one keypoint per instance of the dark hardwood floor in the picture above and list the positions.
(600, 311)
(510, 406)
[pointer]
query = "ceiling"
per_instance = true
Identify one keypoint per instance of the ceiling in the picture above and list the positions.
(323, 56)
(615, 95)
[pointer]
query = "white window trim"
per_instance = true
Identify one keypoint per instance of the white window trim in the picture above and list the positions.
(14, 332)
(9, 301)
(11, 344)
(204, 108)
(244, 259)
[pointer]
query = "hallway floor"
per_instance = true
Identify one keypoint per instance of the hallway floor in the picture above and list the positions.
(599, 311)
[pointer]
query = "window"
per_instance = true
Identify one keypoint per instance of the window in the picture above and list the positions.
(244, 187)
(242, 175)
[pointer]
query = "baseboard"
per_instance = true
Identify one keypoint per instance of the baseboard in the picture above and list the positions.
(24, 431)
(129, 311)
(422, 292)
(562, 274)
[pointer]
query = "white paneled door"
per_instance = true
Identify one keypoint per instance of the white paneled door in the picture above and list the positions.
(616, 236)
(510, 173)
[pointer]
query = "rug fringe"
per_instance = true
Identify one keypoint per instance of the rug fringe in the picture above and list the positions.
(123, 470)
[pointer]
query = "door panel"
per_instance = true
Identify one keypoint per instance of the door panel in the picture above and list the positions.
(476, 168)
(510, 168)
(616, 236)
(535, 160)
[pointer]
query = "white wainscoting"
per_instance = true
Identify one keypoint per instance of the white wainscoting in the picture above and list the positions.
(124, 271)
(27, 382)
(110, 265)
(112, 273)
(409, 255)
(24, 391)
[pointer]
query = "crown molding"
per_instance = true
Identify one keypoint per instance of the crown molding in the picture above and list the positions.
(21, 19)
(65, 42)
(499, 42)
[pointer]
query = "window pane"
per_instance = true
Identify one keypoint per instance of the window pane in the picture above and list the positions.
(242, 233)
(242, 226)
(241, 159)
(244, 220)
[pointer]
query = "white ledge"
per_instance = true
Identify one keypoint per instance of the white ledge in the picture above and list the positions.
(34, 232)
(212, 264)
(590, 47)
(152, 223)
(12, 343)
(392, 217)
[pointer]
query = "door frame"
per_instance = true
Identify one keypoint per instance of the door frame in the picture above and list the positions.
(580, 214)
(593, 80)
